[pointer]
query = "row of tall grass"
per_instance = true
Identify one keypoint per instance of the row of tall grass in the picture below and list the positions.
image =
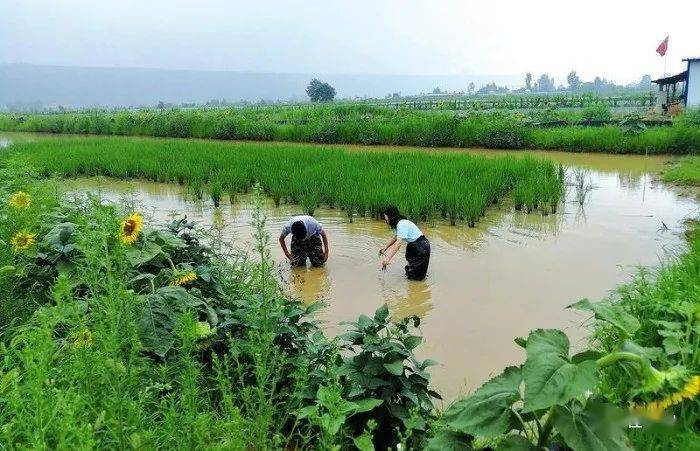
(363, 124)
(457, 187)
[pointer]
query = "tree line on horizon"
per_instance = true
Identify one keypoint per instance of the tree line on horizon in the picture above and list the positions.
(546, 84)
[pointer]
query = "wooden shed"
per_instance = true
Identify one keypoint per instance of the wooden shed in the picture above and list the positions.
(680, 91)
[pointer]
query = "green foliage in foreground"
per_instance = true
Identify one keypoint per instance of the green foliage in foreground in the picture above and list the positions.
(110, 352)
(664, 306)
(102, 349)
(362, 124)
(686, 172)
(458, 187)
(645, 352)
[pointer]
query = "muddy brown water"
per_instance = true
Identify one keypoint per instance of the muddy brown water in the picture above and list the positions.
(512, 273)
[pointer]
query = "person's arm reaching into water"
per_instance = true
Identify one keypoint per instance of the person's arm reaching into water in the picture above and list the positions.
(324, 237)
(388, 245)
(389, 253)
(283, 245)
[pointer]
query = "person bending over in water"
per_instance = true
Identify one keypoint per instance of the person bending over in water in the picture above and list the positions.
(307, 233)
(417, 249)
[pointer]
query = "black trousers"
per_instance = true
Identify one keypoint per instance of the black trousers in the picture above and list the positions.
(311, 248)
(418, 257)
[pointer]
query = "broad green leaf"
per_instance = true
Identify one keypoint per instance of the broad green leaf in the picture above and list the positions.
(520, 341)
(597, 427)
(487, 412)
(363, 442)
(367, 404)
(648, 353)
(138, 257)
(60, 236)
(161, 314)
(610, 312)
(325, 396)
(447, 440)
(166, 239)
(374, 367)
(412, 342)
(550, 377)
(516, 443)
(332, 424)
(364, 322)
(672, 345)
(7, 269)
(306, 412)
(64, 267)
(381, 314)
(395, 367)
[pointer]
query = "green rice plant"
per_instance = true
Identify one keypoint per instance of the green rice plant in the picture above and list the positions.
(216, 191)
(423, 185)
(197, 186)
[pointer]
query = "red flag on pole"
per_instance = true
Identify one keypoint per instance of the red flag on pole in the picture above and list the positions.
(661, 49)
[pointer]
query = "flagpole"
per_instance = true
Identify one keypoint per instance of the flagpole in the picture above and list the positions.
(665, 57)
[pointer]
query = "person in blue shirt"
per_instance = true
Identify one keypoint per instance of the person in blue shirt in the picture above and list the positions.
(417, 247)
(307, 234)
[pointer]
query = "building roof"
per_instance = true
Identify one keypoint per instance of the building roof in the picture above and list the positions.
(694, 58)
(671, 79)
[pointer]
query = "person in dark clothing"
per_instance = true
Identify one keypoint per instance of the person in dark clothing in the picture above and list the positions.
(417, 247)
(307, 234)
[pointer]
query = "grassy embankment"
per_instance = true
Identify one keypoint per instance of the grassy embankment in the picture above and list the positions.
(686, 172)
(458, 187)
(116, 334)
(360, 124)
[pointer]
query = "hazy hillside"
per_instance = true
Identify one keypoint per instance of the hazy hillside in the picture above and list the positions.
(93, 86)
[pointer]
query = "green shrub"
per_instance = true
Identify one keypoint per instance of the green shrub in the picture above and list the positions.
(364, 124)
(597, 112)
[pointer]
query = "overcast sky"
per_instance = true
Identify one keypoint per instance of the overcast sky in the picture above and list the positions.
(612, 38)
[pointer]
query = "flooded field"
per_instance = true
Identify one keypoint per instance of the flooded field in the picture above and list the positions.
(486, 285)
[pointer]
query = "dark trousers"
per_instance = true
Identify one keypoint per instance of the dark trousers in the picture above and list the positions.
(310, 248)
(418, 257)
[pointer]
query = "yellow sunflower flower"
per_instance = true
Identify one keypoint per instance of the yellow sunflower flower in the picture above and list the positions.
(22, 240)
(20, 199)
(692, 388)
(130, 229)
(654, 410)
(183, 278)
(83, 339)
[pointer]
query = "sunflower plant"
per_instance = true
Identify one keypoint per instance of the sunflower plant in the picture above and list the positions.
(130, 229)
(22, 240)
(20, 199)
(546, 403)
(181, 277)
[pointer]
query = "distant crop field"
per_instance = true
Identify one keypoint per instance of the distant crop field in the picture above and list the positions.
(519, 101)
(591, 129)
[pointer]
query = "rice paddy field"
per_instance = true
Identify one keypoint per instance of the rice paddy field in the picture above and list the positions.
(145, 307)
(379, 125)
(455, 187)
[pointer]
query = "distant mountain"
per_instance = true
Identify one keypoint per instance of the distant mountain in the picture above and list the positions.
(73, 87)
